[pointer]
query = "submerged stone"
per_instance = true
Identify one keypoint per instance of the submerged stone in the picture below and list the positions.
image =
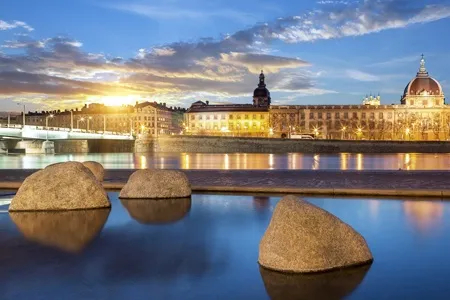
(155, 184)
(96, 169)
(70, 231)
(304, 238)
(62, 186)
(157, 211)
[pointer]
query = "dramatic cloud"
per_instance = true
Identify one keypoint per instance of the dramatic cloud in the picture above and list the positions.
(15, 24)
(58, 68)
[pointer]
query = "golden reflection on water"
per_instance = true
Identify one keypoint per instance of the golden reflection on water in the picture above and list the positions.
(359, 162)
(425, 215)
(299, 161)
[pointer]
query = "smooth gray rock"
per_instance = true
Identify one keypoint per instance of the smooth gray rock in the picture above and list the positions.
(303, 238)
(62, 186)
(96, 169)
(156, 184)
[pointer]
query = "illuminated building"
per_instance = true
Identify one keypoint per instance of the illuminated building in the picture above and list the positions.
(421, 115)
(148, 117)
(203, 118)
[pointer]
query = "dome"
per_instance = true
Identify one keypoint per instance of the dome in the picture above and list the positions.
(261, 92)
(423, 83)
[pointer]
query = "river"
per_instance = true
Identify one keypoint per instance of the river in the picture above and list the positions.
(243, 161)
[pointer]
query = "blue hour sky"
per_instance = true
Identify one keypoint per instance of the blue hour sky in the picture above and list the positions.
(58, 54)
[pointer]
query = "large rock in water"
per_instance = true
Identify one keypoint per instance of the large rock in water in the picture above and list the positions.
(62, 186)
(156, 184)
(157, 211)
(303, 238)
(70, 231)
(96, 169)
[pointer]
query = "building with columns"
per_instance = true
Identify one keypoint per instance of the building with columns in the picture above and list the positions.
(420, 115)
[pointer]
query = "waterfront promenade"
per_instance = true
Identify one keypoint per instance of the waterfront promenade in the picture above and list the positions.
(313, 182)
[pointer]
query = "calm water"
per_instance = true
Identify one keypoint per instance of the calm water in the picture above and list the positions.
(343, 161)
(209, 249)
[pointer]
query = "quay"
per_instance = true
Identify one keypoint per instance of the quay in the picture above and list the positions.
(307, 182)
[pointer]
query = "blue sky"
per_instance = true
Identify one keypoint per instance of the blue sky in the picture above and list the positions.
(57, 54)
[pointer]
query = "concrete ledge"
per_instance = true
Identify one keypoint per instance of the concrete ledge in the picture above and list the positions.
(14, 185)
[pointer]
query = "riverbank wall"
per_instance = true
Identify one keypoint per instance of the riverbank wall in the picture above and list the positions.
(195, 144)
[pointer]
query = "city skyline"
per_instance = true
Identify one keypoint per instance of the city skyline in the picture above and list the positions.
(319, 52)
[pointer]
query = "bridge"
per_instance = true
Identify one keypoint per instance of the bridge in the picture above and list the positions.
(58, 133)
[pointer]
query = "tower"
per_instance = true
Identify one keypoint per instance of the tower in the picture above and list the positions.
(261, 95)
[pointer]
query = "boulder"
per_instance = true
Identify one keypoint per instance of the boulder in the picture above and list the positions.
(303, 238)
(157, 211)
(156, 184)
(70, 231)
(62, 186)
(96, 169)
(334, 285)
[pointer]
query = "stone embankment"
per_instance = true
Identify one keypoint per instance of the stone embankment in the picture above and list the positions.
(373, 183)
(195, 144)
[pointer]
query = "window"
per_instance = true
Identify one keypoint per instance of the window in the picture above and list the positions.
(223, 117)
(411, 102)
(372, 115)
(380, 115)
(436, 102)
(311, 116)
(254, 117)
(261, 117)
(238, 117)
(192, 117)
(215, 117)
(346, 115)
(246, 117)
(425, 102)
(207, 117)
(337, 115)
(302, 116)
(199, 117)
(328, 116)
(230, 126)
(363, 115)
(231, 117)
(355, 115)
(319, 115)
(390, 115)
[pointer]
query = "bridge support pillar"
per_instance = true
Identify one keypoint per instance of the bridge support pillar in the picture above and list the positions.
(36, 147)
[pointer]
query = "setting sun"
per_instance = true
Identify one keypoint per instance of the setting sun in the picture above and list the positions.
(114, 100)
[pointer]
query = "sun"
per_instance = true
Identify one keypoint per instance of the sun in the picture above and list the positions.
(114, 100)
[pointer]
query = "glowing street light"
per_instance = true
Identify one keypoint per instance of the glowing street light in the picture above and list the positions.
(142, 129)
(343, 132)
(46, 124)
(271, 131)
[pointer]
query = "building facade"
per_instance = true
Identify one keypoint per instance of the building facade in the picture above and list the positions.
(143, 118)
(421, 115)
(203, 118)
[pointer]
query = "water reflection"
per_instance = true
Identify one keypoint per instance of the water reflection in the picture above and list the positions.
(232, 161)
(329, 285)
(261, 203)
(425, 215)
(156, 211)
(70, 231)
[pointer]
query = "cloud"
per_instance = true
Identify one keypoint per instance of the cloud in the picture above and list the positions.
(397, 61)
(58, 70)
(15, 24)
(361, 76)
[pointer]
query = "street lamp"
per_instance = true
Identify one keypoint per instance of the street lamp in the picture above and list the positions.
(46, 124)
(316, 132)
(90, 118)
(142, 129)
(78, 122)
(23, 116)
(343, 132)
(359, 132)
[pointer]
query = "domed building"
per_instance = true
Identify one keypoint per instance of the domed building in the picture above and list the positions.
(423, 90)
(261, 95)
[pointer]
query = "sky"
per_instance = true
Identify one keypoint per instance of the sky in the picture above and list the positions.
(62, 54)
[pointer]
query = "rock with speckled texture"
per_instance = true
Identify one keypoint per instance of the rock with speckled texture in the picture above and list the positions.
(96, 169)
(62, 186)
(156, 184)
(303, 238)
